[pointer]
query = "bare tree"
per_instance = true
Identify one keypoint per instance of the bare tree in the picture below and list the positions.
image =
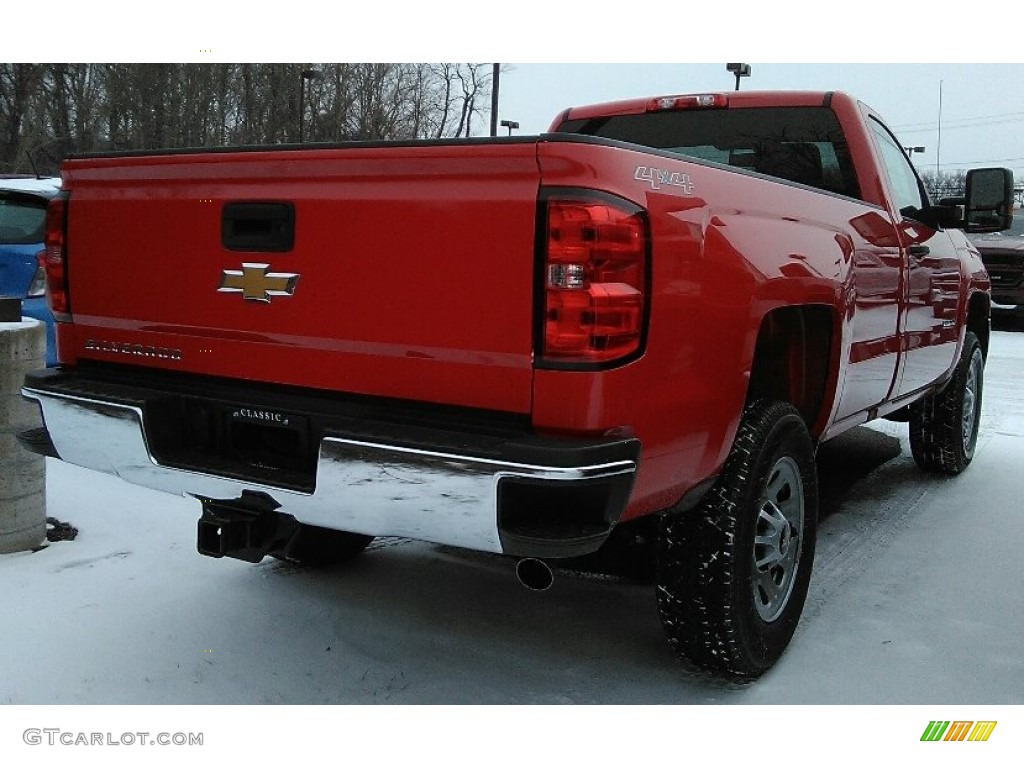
(944, 183)
(455, 94)
(17, 85)
(53, 110)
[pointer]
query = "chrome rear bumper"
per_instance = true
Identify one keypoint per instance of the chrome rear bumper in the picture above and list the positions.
(509, 504)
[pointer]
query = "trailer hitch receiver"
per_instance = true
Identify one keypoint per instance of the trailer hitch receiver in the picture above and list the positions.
(248, 528)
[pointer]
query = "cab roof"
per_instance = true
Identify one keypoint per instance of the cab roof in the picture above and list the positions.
(733, 99)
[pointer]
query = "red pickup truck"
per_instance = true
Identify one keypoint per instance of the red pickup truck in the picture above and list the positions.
(644, 320)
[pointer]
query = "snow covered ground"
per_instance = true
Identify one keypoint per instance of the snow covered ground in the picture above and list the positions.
(917, 598)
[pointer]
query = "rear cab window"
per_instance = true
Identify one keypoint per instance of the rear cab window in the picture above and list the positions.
(805, 145)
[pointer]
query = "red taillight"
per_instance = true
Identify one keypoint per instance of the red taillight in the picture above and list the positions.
(695, 101)
(595, 278)
(53, 259)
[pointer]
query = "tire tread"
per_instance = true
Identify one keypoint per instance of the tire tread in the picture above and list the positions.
(936, 440)
(698, 598)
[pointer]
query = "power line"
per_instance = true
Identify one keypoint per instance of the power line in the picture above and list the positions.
(957, 127)
(958, 120)
(985, 162)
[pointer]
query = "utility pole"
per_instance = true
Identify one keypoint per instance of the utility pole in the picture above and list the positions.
(495, 74)
(938, 146)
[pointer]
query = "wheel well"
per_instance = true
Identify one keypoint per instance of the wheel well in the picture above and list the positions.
(792, 359)
(978, 320)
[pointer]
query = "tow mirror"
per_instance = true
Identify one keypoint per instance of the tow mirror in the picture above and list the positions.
(989, 200)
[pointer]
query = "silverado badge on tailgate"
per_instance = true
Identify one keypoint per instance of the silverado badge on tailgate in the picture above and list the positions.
(256, 283)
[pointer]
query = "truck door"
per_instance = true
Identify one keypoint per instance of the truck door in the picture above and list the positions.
(931, 294)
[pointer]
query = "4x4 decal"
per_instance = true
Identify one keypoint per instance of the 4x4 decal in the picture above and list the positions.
(657, 178)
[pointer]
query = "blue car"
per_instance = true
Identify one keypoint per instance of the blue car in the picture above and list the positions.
(22, 218)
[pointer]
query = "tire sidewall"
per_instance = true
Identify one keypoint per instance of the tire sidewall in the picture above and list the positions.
(973, 351)
(763, 642)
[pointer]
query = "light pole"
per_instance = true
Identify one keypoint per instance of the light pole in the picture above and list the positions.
(740, 70)
(512, 125)
(307, 74)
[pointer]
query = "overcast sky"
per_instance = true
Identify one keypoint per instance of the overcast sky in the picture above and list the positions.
(982, 105)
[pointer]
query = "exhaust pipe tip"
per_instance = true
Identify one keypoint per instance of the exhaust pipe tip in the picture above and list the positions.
(534, 574)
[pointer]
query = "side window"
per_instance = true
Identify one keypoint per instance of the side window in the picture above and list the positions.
(902, 179)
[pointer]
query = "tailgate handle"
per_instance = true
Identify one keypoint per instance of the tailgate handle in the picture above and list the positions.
(257, 226)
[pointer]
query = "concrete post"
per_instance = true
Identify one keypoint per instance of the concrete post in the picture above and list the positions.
(22, 474)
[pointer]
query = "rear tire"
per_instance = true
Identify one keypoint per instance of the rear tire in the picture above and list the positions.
(732, 575)
(321, 547)
(944, 427)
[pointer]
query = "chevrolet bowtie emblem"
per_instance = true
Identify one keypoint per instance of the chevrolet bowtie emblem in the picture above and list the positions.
(256, 283)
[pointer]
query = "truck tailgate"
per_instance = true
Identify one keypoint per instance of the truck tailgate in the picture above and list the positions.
(409, 271)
